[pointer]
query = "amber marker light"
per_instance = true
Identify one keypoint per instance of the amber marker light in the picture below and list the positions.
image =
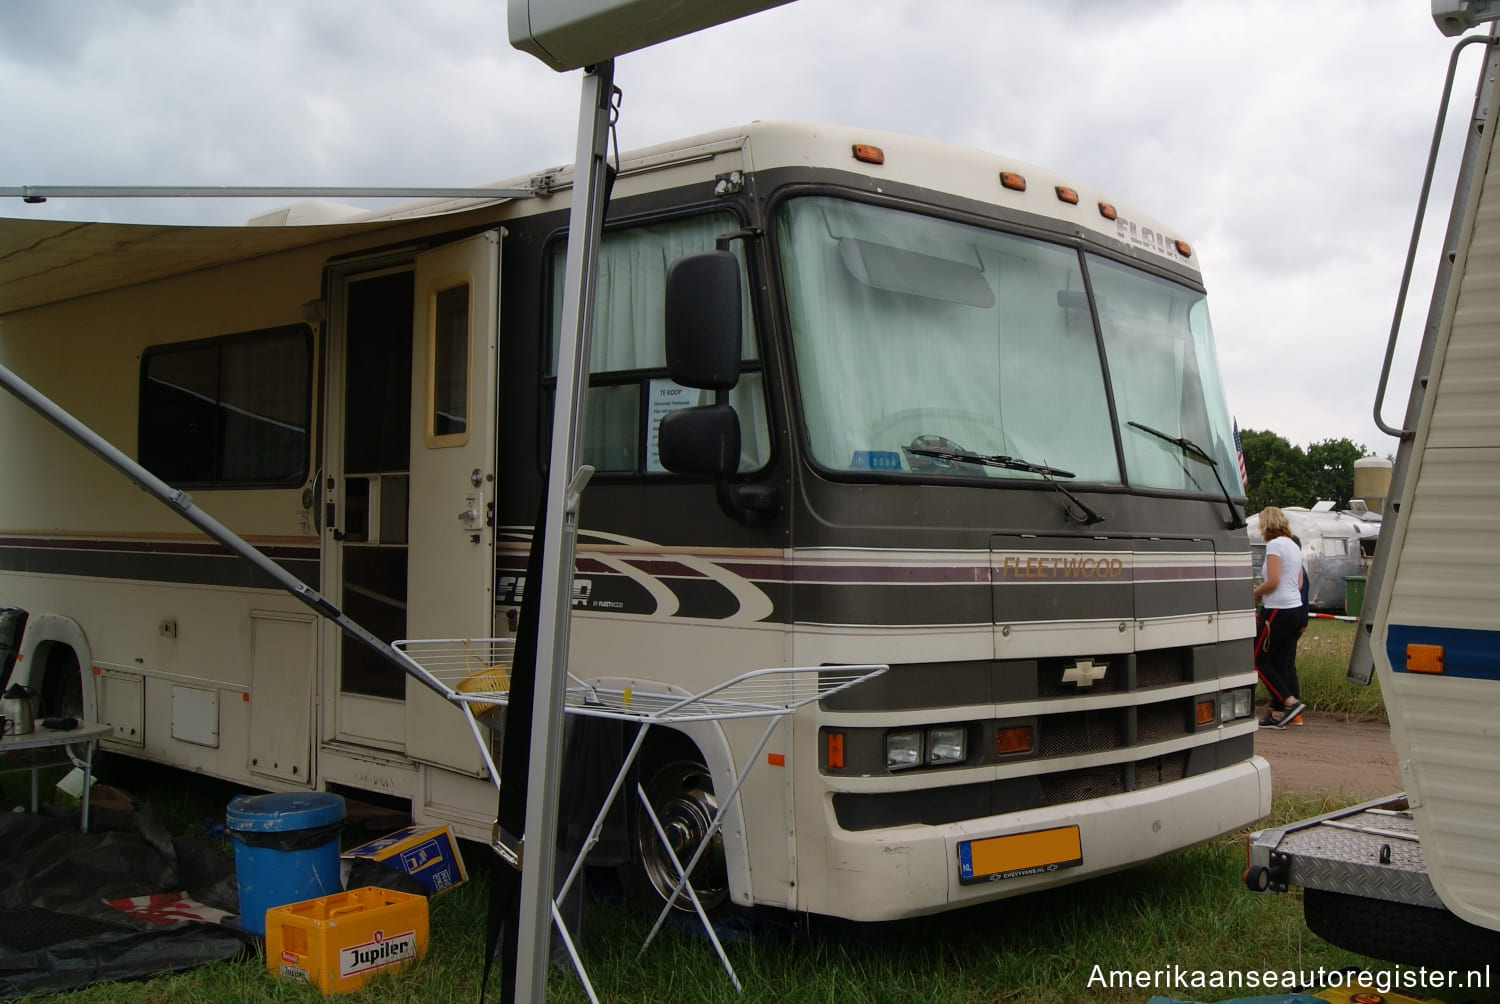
(834, 746)
(1107, 211)
(869, 154)
(1185, 249)
(776, 759)
(1066, 194)
(1203, 712)
(1013, 181)
(1424, 658)
(1016, 739)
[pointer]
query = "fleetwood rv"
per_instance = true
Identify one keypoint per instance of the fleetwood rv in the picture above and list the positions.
(982, 439)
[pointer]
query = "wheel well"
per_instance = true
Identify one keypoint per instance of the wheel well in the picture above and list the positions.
(61, 687)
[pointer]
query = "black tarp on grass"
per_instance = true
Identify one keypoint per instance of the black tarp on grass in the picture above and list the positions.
(56, 930)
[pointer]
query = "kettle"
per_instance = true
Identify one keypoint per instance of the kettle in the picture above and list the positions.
(16, 710)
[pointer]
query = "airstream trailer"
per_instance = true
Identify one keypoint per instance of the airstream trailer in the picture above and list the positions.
(1335, 544)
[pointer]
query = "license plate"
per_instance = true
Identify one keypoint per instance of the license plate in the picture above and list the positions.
(1018, 854)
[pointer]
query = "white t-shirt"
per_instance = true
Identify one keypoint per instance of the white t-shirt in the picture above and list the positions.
(1288, 591)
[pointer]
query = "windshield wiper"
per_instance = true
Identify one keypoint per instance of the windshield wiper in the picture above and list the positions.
(1009, 463)
(1083, 513)
(1197, 452)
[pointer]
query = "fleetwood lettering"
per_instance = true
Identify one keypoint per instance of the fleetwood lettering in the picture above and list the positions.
(1061, 566)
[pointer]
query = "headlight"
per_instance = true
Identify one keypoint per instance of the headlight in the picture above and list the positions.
(1244, 703)
(903, 749)
(947, 744)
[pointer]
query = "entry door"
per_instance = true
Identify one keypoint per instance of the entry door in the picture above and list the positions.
(451, 551)
(366, 484)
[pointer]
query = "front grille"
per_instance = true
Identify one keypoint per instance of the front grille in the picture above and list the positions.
(1119, 734)
(1080, 732)
(939, 805)
(1160, 770)
(1156, 723)
(1079, 785)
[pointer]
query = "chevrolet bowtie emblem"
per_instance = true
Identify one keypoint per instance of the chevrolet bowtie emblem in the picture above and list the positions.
(1085, 673)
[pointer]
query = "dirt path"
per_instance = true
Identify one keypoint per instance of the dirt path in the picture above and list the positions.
(1329, 755)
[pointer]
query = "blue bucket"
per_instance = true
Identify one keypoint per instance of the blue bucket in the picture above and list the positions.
(286, 850)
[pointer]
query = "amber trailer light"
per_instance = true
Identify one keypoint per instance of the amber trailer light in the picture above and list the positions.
(1016, 739)
(1203, 713)
(1185, 249)
(1424, 658)
(833, 749)
(1065, 194)
(1013, 181)
(1107, 211)
(868, 154)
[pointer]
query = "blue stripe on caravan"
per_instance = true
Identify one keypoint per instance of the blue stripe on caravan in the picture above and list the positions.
(1466, 652)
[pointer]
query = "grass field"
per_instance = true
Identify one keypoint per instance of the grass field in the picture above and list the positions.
(1322, 659)
(1188, 910)
(1186, 916)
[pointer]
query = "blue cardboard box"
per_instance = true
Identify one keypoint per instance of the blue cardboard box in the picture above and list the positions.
(428, 854)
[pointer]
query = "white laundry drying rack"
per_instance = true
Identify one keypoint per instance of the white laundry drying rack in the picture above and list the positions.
(474, 674)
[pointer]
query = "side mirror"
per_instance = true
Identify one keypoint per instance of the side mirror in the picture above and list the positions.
(704, 440)
(703, 320)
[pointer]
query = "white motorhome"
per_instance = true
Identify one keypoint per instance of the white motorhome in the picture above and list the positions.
(983, 438)
(1415, 878)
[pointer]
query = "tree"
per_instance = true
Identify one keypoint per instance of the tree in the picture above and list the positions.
(1281, 474)
(1331, 468)
(1278, 472)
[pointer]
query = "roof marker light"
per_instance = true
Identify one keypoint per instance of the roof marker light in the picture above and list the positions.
(1066, 194)
(1107, 211)
(1013, 181)
(869, 154)
(1185, 249)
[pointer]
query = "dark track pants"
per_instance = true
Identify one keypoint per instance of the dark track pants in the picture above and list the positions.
(1276, 653)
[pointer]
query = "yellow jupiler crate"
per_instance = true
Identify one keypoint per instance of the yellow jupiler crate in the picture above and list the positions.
(338, 941)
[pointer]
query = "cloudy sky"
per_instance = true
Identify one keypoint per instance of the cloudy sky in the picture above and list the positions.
(1284, 138)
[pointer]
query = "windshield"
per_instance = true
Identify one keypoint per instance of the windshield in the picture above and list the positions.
(1166, 379)
(929, 347)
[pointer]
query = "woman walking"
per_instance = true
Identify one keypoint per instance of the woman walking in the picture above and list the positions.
(1278, 622)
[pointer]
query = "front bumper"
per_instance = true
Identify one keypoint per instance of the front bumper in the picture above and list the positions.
(909, 871)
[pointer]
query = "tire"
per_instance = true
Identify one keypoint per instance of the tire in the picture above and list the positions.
(681, 793)
(1398, 932)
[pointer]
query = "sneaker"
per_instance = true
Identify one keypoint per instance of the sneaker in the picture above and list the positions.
(1270, 721)
(1293, 714)
(1297, 719)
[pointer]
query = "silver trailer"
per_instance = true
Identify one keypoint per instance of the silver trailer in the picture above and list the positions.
(1336, 545)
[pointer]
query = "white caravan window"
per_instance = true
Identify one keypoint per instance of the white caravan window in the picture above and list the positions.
(228, 412)
(914, 333)
(1165, 376)
(629, 391)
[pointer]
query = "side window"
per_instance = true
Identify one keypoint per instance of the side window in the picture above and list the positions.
(629, 390)
(228, 412)
(448, 364)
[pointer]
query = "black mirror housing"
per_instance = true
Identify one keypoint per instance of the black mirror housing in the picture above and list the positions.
(704, 440)
(703, 320)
